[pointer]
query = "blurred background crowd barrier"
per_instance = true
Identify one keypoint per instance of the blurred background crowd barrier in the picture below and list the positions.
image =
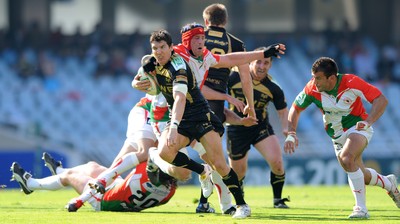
(66, 68)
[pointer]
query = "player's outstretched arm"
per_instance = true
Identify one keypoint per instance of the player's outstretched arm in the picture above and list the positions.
(292, 142)
(240, 58)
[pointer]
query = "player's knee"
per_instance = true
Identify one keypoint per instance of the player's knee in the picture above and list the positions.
(346, 160)
(220, 166)
(92, 164)
(277, 167)
(183, 175)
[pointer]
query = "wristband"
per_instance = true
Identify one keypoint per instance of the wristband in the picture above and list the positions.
(291, 133)
(174, 124)
(290, 138)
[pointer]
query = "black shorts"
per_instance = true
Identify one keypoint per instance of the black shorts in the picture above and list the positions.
(196, 127)
(240, 138)
(217, 106)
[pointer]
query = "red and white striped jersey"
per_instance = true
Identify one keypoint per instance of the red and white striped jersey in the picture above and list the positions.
(342, 107)
(136, 193)
(199, 66)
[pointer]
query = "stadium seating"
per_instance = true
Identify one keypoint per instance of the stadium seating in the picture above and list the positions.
(89, 114)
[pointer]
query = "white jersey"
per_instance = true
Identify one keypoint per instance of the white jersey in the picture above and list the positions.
(199, 67)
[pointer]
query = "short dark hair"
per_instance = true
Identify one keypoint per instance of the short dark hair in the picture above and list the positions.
(161, 35)
(216, 14)
(325, 65)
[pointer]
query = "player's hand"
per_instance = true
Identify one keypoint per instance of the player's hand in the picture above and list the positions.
(149, 65)
(143, 85)
(172, 137)
(291, 142)
(237, 103)
(362, 126)
(248, 121)
(249, 111)
(274, 50)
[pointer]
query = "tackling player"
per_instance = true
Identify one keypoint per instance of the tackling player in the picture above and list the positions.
(143, 188)
(191, 117)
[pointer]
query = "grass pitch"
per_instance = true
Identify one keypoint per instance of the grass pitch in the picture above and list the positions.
(322, 204)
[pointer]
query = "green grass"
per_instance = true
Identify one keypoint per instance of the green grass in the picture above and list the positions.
(327, 204)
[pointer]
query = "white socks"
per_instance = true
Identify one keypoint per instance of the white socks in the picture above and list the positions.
(224, 195)
(127, 162)
(357, 185)
(162, 164)
(379, 180)
(60, 170)
(51, 183)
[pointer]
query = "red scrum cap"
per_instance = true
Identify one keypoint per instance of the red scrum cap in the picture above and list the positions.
(189, 31)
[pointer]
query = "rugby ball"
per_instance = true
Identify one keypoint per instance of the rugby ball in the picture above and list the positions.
(154, 88)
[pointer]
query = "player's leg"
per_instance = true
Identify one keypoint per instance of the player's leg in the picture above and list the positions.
(172, 155)
(154, 162)
(124, 163)
(139, 138)
(350, 160)
(213, 145)
(225, 199)
(79, 177)
(139, 135)
(75, 177)
(28, 184)
(239, 141)
(203, 206)
(54, 166)
(270, 150)
(373, 178)
(239, 165)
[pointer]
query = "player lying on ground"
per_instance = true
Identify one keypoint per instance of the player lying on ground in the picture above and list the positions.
(140, 132)
(143, 188)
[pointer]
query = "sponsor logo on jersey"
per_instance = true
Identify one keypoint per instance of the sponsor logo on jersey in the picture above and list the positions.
(178, 62)
(215, 33)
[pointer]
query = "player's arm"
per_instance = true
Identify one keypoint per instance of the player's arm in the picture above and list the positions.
(211, 94)
(240, 58)
(141, 85)
(234, 119)
(378, 108)
(291, 141)
(180, 89)
(283, 115)
(247, 87)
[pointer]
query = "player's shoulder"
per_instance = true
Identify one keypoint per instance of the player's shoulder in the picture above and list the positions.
(178, 62)
(234, 76)
(351, 81)
(311, 88)
(270, 80)
(236, 43)
(234, 38)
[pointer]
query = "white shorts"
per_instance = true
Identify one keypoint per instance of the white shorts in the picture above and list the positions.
(95, 200)
(338, 143)
(158, 128)
(138, 126)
